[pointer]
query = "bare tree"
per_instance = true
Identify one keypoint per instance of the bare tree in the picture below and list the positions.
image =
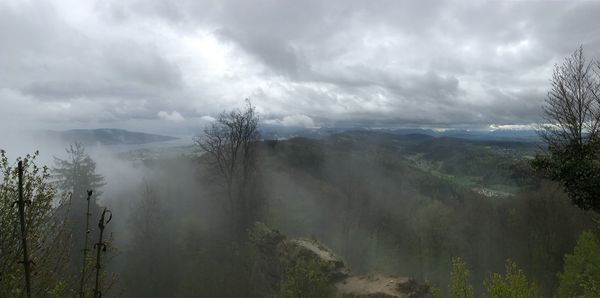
(230, 145)
(572, 110)
(571, 130)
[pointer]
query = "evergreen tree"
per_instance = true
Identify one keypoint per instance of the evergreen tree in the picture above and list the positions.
(76, 174)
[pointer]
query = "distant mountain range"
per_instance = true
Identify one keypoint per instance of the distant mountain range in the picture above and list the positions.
(500, 134)
(111, 136)
(106, 136)
(317, 133)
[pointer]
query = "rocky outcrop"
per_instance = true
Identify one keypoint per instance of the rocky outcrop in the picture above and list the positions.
(278, 253)
(380, 286)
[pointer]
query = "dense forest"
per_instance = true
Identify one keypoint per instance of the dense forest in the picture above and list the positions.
(402, 205)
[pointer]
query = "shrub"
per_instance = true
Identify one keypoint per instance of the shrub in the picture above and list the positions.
(460, 287)
(305, 279)
(581, 274)
(513, 284)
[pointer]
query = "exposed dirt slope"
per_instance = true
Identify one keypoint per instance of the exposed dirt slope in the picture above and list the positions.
(278, 251)
(380, 286)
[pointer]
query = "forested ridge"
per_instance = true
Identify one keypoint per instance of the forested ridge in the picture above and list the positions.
(361, 194)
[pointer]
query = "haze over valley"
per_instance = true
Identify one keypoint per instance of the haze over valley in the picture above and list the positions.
(315, 149)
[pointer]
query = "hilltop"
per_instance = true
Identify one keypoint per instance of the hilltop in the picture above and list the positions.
(106, 136)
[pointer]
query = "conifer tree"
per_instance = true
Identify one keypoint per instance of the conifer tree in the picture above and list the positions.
(76, 174)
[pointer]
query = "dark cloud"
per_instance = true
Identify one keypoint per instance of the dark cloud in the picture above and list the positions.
(277, 54)
(309, 63)
(142, 64)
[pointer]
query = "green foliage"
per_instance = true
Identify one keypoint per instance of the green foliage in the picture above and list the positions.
(577, 167)
(581, 275)
(393, 212)
(460, 286)
(436, 292)
(305, 279)
(492, 164)
(513, 284)
(408, 220)
(570, 129)
(58, 291)
(46, 237)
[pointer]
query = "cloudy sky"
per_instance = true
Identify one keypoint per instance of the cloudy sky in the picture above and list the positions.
(171, 66)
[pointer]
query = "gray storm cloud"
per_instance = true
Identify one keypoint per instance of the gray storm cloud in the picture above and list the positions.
(128, 63)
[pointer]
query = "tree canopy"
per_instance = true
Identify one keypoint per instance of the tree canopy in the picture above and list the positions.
(571, 129)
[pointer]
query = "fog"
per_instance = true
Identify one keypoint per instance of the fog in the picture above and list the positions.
(299, 149)
(361, 194)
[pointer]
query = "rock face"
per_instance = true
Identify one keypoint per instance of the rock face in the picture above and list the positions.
(278, 253)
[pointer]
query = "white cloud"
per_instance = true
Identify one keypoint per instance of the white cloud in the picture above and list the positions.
(172, 116)
(298, 121)
(531, 126)
(293, 121)
(207, 118)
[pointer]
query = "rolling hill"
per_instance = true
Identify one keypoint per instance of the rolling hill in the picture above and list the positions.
(106, 136)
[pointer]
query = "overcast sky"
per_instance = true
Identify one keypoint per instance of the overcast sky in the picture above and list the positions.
(172, 66)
